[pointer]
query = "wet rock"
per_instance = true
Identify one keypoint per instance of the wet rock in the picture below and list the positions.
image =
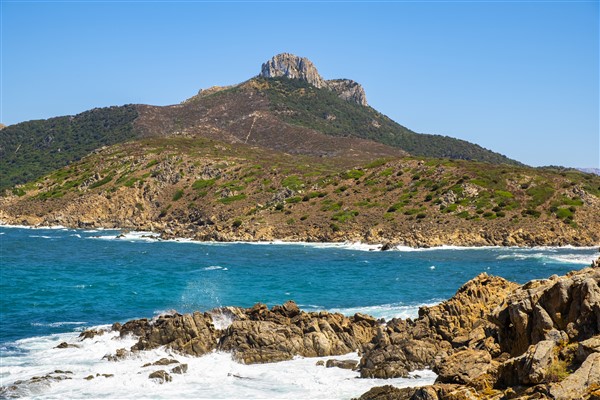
(344, 364)
(65, 345)
(180, 369)
(284, 332)
(192, 334)
(160, 376)
(91, 333)
(119, 355)
(162, 362)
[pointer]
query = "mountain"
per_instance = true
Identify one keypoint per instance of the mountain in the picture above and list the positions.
(285, 155)
(288, 107)
(595, 171)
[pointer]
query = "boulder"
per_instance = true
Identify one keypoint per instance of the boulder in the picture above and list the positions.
(160, 376)
(192, 334)
(464, 366)
(344, 364)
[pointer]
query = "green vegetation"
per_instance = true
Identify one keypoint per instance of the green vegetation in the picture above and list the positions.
(32, 149)
(308, 105)
(292, 182)
(178, 194)
(203, 184)
(344, 216)
(231, 199)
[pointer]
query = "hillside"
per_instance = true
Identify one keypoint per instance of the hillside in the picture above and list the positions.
(288, 108)
(31, 149)
(209, 190)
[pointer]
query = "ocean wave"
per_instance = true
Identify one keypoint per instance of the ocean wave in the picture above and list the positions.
(215, 375)
(579, 259)
(58, 324)
(385, 311)
(215, 268)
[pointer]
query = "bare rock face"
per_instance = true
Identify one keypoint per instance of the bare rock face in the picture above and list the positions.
(348, 90)
(192, 334)
(455, 319)
(284, 332)
(294, 67)
(544, 309)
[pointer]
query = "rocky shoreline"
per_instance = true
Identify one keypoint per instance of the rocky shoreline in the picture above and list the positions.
(493, 339)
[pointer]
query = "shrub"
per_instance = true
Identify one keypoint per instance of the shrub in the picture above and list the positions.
(237, 223)
(231, 199)
(178, 194)
(353, 174)
(203, 183)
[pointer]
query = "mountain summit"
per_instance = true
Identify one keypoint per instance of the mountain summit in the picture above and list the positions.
(293, 67)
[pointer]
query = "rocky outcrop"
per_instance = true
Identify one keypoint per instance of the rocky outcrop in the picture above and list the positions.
(255, 335)
(537, 341)
(192, 334)
(294, 67)
(284, 332)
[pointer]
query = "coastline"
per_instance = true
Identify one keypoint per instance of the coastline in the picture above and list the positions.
(155, 236)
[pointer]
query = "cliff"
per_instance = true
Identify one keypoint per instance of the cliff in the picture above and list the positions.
(293, 67)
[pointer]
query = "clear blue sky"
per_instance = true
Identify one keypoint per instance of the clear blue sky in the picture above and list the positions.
(520, 78)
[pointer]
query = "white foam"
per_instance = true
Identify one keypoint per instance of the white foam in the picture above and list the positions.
(386, 311)
(579, 259)
(58, 324)
(213, 376)
(214, 268)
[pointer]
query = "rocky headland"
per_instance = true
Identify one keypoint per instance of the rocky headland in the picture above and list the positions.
(493, 339)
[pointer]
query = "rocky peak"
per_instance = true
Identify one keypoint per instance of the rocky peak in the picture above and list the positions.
(293, 67)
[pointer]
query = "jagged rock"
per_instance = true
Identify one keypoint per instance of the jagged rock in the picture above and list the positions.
(162, 362)
(294, 67)
(91, 333)
(192, 334)
(581, 383)
(160, 376)
(119, 355)
(587, 347)
(284, 332)
(344, 364)
(530, 368)
(539, 308)
(65, 345)
(458, 316)
(464, 366)
(180, 369)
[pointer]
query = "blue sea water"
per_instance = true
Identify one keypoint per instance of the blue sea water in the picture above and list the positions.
(56, 282)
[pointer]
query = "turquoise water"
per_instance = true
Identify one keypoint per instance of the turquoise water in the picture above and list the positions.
(56, 282)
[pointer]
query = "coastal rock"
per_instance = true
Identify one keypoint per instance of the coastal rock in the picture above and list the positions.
(540, 308)
(160, 376)
(453, 320)
(583, 383)
(531, 368)
(284, 332)
(180, 369)
(192, 334)
(343, 364)
(464, 366)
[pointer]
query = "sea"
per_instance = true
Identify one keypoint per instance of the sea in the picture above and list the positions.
(55, 283)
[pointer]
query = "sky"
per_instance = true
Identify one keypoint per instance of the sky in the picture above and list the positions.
(517, 77)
